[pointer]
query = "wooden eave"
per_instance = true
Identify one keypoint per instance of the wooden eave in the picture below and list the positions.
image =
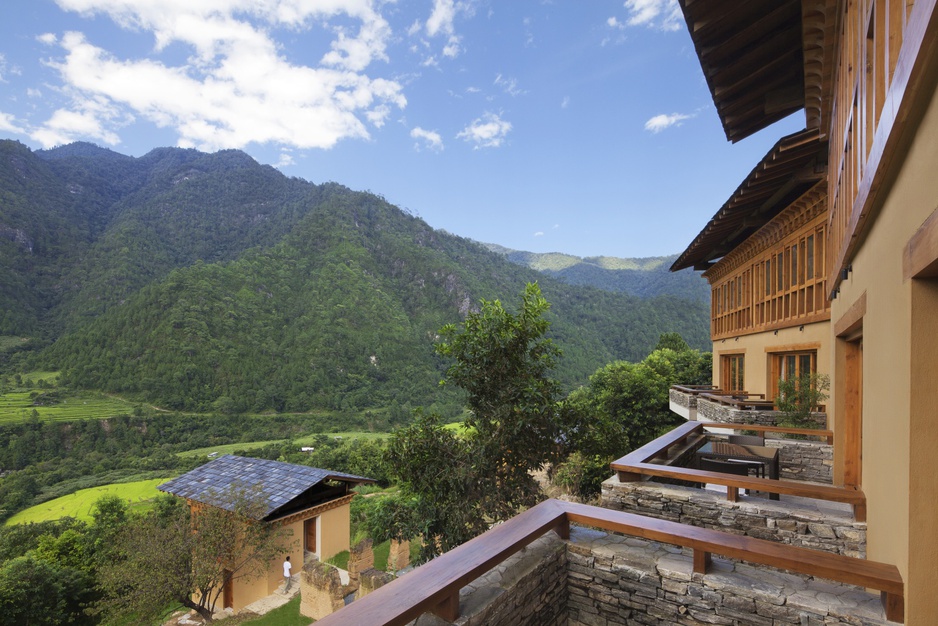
(752, 57)
(795, 164)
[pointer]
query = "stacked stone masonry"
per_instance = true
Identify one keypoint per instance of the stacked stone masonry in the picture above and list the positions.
(682, 399)
(603, 579)
(623, 580)
(753, 516)
(709, 411)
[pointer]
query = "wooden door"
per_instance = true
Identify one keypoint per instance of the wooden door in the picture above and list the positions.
(309, 534)
(853, 413)
(228, 593)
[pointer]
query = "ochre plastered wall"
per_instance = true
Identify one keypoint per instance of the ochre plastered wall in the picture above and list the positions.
(897, 445)
(333, 533)
(334, 526)
(758, 346)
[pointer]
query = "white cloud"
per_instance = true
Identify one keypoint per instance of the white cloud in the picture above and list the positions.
(509, 85)
(286, 159)
(431, 139)
(441, 22)
(539, 233)
(612, 22)
(65, 125)
(565, 102)
(453, 47)
(659, 14)
(441, 18)
(8, 123)
(660, 122)
(237, 88)
(48, 39)
(488, 131)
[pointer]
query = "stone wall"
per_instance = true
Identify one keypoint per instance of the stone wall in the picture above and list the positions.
(398, 555)
(811, 461)
(527, 589)
(710, 411)
(361, 557)
(623, 580)
(321, 590)
(784, 522)
(684, 404)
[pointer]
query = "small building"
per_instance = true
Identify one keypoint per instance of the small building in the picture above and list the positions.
(311, 503)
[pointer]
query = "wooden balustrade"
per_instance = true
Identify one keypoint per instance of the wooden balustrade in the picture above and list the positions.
(434, 587)
(637, 466)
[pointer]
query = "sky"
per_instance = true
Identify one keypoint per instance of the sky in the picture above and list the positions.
(575, 126)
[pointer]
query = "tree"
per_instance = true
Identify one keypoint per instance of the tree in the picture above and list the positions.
(464, 482)
(32, 591)
(624, 406)
(174, 555)
(799, 396)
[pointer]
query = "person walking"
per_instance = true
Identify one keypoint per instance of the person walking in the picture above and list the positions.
(287, 578)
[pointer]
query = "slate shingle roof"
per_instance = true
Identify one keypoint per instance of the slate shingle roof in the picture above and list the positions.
(280, 482)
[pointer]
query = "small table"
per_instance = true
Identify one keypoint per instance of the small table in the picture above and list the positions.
(730, 451)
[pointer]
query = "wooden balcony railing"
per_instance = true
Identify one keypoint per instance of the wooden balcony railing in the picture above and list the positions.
(739, 400)
(639, 465)
(434, 587)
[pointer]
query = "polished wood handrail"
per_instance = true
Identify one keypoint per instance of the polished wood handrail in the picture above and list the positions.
(636, 466)
(434, 587)
(696, 389)
(826, 435)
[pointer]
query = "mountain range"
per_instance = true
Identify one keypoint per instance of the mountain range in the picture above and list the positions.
(206, 282)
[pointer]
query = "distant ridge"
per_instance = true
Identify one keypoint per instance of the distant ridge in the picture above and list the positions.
(645, 277)
(209, 282)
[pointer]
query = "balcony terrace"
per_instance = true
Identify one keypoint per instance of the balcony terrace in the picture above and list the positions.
(795, 561)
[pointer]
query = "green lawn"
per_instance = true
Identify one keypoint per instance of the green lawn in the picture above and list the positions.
(79, 504)
(286, 615)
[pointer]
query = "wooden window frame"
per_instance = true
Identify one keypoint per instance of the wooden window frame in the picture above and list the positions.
(733, 371)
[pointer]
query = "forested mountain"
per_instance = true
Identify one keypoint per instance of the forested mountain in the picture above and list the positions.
(645, 277)
(209, 282)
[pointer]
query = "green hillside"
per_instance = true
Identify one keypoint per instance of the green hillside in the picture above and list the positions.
(207, 282)
(645, 277)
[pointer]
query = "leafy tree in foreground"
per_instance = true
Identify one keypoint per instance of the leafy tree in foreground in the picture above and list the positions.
(172, 555)
(464, 482)
(625, 406)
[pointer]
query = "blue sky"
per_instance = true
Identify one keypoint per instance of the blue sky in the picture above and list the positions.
(576, 126)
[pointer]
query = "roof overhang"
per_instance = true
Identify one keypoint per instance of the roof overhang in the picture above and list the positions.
(789, 169)
(752, 57)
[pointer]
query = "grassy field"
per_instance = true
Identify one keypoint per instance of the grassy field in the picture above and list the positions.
(8, 342)
(16, 406)
(228, 448)
(79, 504)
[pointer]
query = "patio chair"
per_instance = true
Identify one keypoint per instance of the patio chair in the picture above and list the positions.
(747, 440)
(737, 468)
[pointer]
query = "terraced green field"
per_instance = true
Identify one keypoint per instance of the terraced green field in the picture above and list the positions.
(17, 406)
(8, 342)
(79, 504)
(306, 440)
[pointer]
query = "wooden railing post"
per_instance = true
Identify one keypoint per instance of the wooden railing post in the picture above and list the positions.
(448, 608)
(702, 561)
(563, 528)
(894, 605)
